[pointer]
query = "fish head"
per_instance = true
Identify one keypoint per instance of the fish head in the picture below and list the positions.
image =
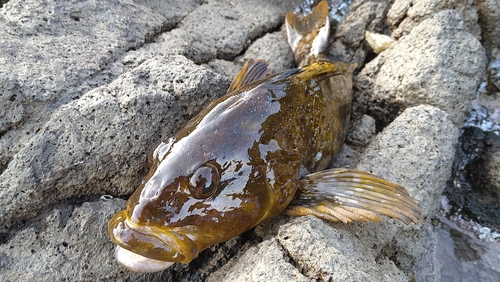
(221, 175)
(190, 202)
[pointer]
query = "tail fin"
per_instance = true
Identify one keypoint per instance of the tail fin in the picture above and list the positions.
(351, 195)
(308, 36)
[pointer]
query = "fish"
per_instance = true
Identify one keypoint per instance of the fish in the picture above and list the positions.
(261, 150)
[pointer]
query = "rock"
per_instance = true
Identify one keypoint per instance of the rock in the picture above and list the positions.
(264, 262)
(97, 144)
(378, 42)
(271, 48)
(361, 131)
(439, 63)
(416, 151)
(489, 17)
(404, 15)
(455, 251)
(88, 89)
(274, 49)
(475, 185)
(348, 42)
(72, 243)
(53, 52)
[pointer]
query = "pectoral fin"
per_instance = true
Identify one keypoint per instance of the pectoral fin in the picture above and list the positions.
(253, 70)
(351, 195)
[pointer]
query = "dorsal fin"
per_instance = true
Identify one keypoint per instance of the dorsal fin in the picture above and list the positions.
(253, 70)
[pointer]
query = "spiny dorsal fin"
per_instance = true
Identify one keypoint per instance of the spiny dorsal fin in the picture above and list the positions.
(351, 195)
(252, 71)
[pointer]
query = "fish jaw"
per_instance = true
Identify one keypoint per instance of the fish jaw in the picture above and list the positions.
(140, 245)
(137, 263)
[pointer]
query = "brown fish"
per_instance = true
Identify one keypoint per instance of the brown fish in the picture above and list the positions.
(256, 152)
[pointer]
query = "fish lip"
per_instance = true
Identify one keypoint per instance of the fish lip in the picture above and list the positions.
(178, 244)
(137, 263)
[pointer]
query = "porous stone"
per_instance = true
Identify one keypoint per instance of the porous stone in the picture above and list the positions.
(88, 89)
(404, 15)
(489, 17)
(439, 63)
(71, 242)
(98, 144)
(348, 42)
(361, 131)
(264, 262)
(416, 151)
(52, 52)
(272, 48)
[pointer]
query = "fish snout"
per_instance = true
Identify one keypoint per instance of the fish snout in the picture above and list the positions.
(149, 249)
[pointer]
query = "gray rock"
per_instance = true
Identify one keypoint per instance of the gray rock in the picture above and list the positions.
(416, 151)
(361, 131)
(404, 15)
(86, 90)
(489, 17)
(422, 133)
(52, 52)
(264, 262)
(72, 243)
(348, 42)
(439, 63)
(98, 143)
(274, 49)
(326, 253)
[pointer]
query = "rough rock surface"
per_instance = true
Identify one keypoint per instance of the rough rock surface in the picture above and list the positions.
(404, 15)
(87, 89)
(489, 17)
(438, 63)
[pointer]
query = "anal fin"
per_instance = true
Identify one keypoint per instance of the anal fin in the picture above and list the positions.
(253, 70)
(350, 195)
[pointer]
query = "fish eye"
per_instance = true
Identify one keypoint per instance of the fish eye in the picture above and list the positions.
(204, 181)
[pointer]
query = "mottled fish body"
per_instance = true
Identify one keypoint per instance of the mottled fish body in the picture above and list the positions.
(256, 152)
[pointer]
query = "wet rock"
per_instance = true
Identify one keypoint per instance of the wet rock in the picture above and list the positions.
(454, 251)
(439, 63)
(475, 186)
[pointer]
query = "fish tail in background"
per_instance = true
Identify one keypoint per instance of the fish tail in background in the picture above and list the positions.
(351, 195)
(308, 36)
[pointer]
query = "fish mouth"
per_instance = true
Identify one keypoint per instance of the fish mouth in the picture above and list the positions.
(138, 263)
(144, 248)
